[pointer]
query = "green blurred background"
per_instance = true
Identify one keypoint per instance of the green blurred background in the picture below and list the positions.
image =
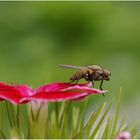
(37, 36)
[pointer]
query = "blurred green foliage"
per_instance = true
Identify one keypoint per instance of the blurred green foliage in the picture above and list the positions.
(37, 36)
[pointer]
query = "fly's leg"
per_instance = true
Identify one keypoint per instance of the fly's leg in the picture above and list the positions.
(101, 86)
(76, 81)
(73, 82)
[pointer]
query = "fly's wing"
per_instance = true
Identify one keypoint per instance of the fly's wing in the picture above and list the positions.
(70, 66)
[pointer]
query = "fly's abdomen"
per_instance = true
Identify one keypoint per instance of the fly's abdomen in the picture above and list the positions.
(77, 76)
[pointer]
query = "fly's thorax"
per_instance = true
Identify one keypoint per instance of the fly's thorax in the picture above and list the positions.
(94, 73)
(96, 70)
(95, 76)
(84, 70)
(95, 67)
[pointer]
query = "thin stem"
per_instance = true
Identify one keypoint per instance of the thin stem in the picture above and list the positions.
(29, 128)
(8, 112)
(56, 112)
(69, 103)
(21, 126)
(46, 134)
(38, 112)
(65, 110)
(1, 120)
(63, 117)
(32, 113)
(2, 135)
(18, 121)
(29, 119)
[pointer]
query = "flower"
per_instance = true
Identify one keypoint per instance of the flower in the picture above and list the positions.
(124, 135)
(19, 94)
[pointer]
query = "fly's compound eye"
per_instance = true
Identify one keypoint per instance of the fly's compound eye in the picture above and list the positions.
(106, 74)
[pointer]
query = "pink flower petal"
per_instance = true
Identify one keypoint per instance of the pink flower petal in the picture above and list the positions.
(25, 90)
(58, 86)
(77, 88)
(75, 92)
(124, 135)
(54, 96)
(13, 93)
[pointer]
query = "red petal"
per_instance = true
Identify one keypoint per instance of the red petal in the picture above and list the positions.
(77, 88)
(57, 87)
(25, 90)
(11, 93)
(55, 96)
(71, 93)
